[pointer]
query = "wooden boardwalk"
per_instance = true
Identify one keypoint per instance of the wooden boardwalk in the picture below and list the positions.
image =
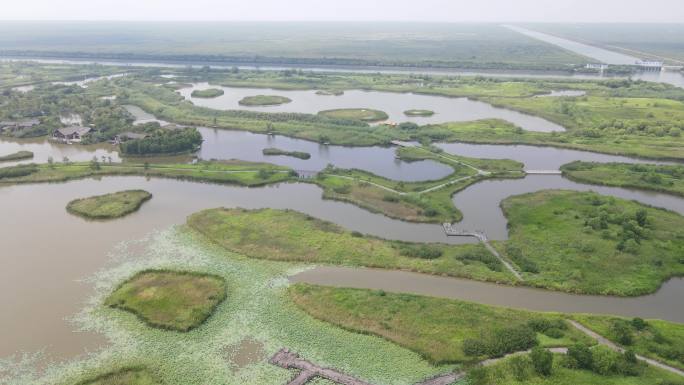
(289, 360)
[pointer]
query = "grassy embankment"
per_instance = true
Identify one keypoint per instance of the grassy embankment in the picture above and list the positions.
(108, 206)
(428, 201)
(587, 243)
(19, 155)
(363, 114)
(662, 178)
(330, 92)
(208, 93)
(293, 236)
(436, 328)
(419, 112)
(519, 370)
(134, 376)
(229, 172)
(170, 300)
(660, 340)
(264, 100)
(278, 151)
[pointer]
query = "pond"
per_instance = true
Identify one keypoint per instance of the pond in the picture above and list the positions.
(394, 104)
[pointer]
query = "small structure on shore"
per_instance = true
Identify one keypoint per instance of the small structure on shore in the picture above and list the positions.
(126, 136)
(71, 134)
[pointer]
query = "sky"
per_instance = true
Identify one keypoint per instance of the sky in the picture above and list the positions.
(349, 10)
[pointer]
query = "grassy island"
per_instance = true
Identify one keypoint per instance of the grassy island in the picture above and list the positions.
(264, 100)
(584, 242)
(294, 154)
(330, 92)
(362, 114)
(109, 206)
(208, 93)
(441, 330)
(168, 299)
(124, 377)
(663, 178)
(293, 236)
(19, 155)
(419, 113)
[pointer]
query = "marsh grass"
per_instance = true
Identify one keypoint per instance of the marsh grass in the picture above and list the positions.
(208, 93)
(264, 100)
(19, 155)
(362, 114)
(109, 206)
(174, 300)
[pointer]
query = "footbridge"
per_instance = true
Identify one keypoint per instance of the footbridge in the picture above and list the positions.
(544, 172)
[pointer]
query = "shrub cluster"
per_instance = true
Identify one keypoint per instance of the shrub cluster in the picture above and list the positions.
(18, 171)
(501, 342)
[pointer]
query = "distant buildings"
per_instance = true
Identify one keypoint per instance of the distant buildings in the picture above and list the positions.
(597, 66)
(11, 126)
(71, 134)
(650, 64)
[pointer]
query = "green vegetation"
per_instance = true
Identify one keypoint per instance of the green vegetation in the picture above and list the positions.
(208, 93)
(466, 45)
(295, 154)
(229, 172)
(293, 236)
(169, 299)
(362, 114)
(664, 178)
(19, 155)
(587, 243)
(330, 92)
(123, 377)
(660, 340)
(264, 100)
(441, 330)
(108, 206)
(419, 112)
(164, 141)
(523, 370)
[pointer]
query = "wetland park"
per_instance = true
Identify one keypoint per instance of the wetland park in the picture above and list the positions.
(168, 223)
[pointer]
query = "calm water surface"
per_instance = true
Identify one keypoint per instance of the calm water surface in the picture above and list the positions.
(394, 104)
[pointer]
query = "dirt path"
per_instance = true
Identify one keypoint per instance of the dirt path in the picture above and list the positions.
(505, 262)
(606, 342)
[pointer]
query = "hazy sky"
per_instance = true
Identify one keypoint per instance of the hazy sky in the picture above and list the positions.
(391, 10)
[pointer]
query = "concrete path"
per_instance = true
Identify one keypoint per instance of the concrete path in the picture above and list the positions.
(606, 342)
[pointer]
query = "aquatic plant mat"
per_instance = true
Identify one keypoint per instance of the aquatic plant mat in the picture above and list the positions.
(257, 308)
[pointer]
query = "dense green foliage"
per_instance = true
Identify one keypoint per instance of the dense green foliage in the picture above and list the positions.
(169, 299)
(208, 93)
(419, 112)
(19, 155)
(439, 329)
(660, 340)
(18, 171)
(362, 114)
(264, 100)
(587, 243)
(277, 151)
(293, 236)
(108, 206)
(164, 141)
(664, 178)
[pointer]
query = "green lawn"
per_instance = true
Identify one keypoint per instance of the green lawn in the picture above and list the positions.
(660, 340)
(363, 114)
(169, 299)
(19, 155)
(286, 235)
(587, 243)
(664, 178)
(208, 93)
(114, 205)
(124, 377)
(264, 100)
(434, 327)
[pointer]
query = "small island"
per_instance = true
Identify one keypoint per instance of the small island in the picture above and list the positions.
(172, 300)
(264, 100)
(19, 155)
(330, 92)
(158, 141)
(208, 93)
(296, 154)
(419, 113)
(109, 206)
(363, 114)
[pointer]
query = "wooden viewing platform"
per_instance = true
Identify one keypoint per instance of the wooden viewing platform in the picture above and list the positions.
(452, 232)
(289, 360)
